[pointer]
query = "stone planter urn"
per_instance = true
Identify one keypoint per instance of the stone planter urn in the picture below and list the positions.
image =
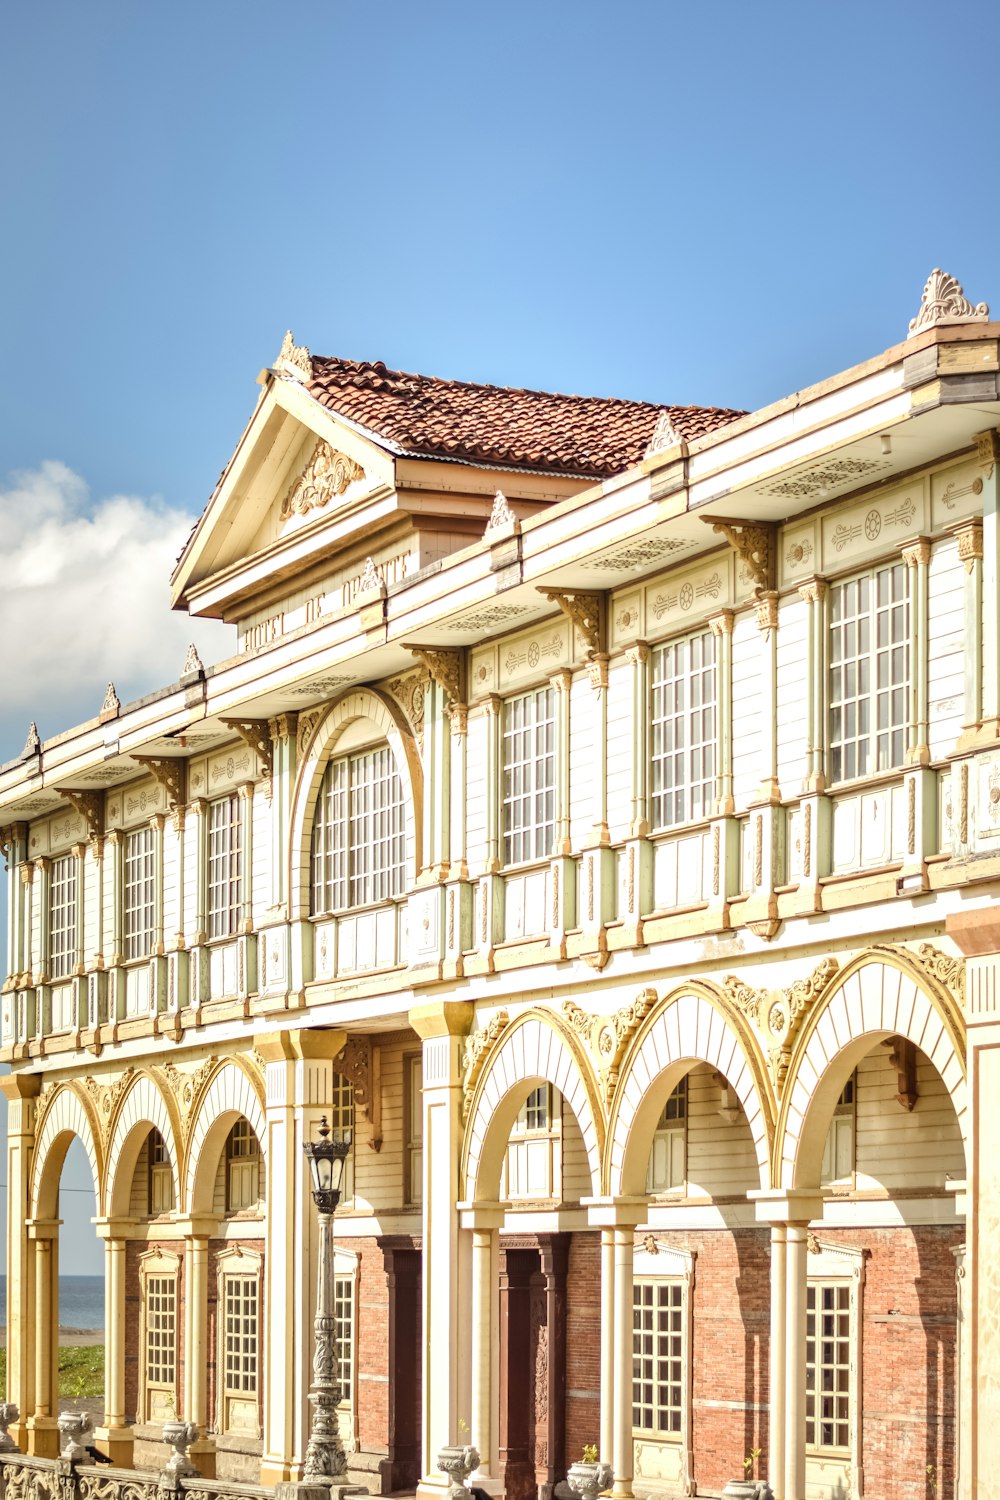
(748, 1489)
(588, 1479)
(8, 1413)
(73, 1427)
(458, 1462)
(180, 1436)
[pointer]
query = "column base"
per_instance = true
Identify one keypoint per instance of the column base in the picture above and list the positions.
(202, 1455)
(42, 1435)
(116, 1443)
(275, 1471)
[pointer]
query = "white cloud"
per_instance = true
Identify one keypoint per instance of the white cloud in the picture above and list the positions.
(85, 600)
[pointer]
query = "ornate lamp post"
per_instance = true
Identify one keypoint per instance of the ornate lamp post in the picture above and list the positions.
(325, 1455)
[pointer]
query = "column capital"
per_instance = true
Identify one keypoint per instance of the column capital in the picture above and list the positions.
(638, 654)
(293, 1046)
(441, 1018)
(21, 1086)
(481, 1216)
(916, 551)
(814, 589)
(112, 1228)
(787, 1205)
(615, 1213)
(722, 623)
(198, 1226)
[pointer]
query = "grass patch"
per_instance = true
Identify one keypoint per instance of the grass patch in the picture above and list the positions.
(81, 1370)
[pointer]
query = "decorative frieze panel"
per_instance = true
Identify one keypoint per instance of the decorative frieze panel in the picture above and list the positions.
(136, 804)
(57, 834)
(689, 597)
(798, 553)
(873, 526)
(534, 654)
(988, 798)
(870, 829)
(956, 493)
(326, 476)
(609, 1036)
(626, 618)
(216, 774)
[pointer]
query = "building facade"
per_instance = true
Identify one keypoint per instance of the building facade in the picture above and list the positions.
(600, 824)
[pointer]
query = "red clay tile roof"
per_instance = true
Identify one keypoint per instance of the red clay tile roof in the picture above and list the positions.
(588, 435)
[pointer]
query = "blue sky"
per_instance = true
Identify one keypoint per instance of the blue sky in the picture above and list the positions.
(716, 203)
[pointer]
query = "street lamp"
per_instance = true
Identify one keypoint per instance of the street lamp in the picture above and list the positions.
(325, 1455)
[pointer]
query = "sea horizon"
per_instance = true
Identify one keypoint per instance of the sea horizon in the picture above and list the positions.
(81, 1304)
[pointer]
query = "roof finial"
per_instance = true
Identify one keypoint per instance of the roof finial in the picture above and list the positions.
(944, 302)
(33, 744)
(294, 359)
(501, 516)
(111, 706)
(665, 435)
(192, 662)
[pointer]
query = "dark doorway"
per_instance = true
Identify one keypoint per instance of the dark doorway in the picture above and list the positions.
(533, 1364)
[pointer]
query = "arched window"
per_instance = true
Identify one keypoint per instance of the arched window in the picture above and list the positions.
(161, 1177)
(242, 1168)
(359, 833)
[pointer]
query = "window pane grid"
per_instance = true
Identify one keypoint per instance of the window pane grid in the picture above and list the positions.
(657, 1356)
(225, 866)
(343, 1315)
(869, 673)
(683, 730)
(241, 1335)
(529, 776)
(62, 917)
(359, 833)
(161, 1330)
(341, 1118)
(140, 893)
(828, 1364)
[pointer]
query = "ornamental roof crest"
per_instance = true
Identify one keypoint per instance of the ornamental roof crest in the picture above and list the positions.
(294, 359)
(501, 515)
(326, 475)
(665, 435)
(944, 302)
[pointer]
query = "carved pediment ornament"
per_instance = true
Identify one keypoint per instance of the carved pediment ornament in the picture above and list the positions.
(294, 359)
(608, 1036)
(326, 475)
(501, 516)
(169, 771)
(944, 301)
(192, 662)
(33, 744)
(111, 706)
(106, 1096)
(372, 581)
(445, 667)
(477, 1046)
(257, 734)
(583, 611)
(948, 971)
(90, 807)
(665, 435)
(307, 728)
(753, 543)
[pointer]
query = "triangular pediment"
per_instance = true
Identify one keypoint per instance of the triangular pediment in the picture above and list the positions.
(295, 475)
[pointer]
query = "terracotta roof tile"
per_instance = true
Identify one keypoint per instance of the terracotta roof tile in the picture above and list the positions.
(421, 414)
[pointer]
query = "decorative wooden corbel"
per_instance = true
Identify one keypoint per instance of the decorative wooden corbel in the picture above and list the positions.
(90, 807)
(753, 543)
(445, 667)
(257, 734)
(169, 771)
(360, 1064)
(583, 611)
(987, 449)
(9, 836)
(903, 1057)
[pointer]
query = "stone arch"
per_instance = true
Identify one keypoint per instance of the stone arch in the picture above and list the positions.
(143, 1107)
(692, 1024)
(388, 720)
(532, 1050)
(876, 996)
(229, 1094)
(66, 1116)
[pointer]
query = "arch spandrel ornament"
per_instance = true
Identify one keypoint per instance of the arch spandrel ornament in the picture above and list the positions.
(696, 1022)
(227, 1090)
(66, 1111)
(881, 993)
(324, 730)
(143, 1103)
(504, 1060)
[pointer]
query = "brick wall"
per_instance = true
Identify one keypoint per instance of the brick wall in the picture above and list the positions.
(583, 1344)
(134, 1250)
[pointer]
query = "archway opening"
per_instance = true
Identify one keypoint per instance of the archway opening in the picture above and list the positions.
(76, 1281)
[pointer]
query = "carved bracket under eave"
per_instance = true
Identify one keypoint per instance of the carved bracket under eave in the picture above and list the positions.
(257, 734)
(753, 543)
(360, 1064)
(445, 667)
(903, 1057)
(90, 807)
(584, 612)
(170, 772)
(9, 836)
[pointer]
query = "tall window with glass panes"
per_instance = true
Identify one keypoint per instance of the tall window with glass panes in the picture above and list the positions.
(225, 866)
(529, 776)
(828, 1365)
(62, 916)
(657, 1358)
(869, 672)
(359, 833)
(140, 893)
(683, 730)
